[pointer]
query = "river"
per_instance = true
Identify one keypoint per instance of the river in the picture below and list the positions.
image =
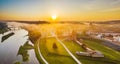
(9, 48)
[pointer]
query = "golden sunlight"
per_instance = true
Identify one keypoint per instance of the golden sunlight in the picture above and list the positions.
(54, 17)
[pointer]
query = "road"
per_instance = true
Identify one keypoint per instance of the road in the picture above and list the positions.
(41, 53)
(78, 62)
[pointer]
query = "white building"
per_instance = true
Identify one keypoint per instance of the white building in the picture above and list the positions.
(95, 53)
(99, 36)
(116, 38)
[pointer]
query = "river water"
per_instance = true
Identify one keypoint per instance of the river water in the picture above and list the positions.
(9, 48)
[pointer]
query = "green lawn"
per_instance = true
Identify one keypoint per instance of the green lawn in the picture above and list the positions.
(73, 46)
(109, 53)
(57, 55)
(37, 53)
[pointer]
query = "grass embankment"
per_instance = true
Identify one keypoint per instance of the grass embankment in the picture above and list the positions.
(54, 52)
(37, 53)
(109, 53)
(111, 56)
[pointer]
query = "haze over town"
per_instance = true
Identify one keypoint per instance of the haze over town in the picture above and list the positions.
(59, 31)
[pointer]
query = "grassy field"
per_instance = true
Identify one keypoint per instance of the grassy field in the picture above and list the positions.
(57, 55)
(54, 52)
(73, 46)
(109, 53)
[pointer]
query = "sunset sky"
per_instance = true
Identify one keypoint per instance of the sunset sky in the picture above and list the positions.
(65, 10)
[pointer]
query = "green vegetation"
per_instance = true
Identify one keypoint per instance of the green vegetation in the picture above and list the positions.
(111, 54)
(17, 63)
(37, 53)
(23, 50)
(73, 47)
(54, 46)
(54, 52)
(3, 27)
(54, 56)
(34, 35)
(7, 36)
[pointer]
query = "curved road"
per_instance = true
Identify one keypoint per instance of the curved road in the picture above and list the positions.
(78, 62)
(41, 53)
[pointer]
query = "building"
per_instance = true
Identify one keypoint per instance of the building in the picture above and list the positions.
(116, 38)
(95, 53)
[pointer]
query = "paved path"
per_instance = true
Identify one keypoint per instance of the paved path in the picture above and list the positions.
(78, 62)
(41, 53)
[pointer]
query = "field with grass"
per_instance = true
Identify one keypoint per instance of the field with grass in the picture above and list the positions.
(53, 55)
(111, 54)
(73, 46)
(54, 52)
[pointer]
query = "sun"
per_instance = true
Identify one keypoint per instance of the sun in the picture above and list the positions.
(54, 17)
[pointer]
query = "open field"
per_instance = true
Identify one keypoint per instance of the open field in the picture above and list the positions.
(59, 55)
(54, 56)
(89, 60)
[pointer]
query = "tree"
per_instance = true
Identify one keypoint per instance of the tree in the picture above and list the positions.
(54, 46)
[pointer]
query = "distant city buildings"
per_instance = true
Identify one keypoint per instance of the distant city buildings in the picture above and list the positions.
(116, 38)
(113, 37)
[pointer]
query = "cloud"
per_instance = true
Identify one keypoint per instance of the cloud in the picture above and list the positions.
(98, 5)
